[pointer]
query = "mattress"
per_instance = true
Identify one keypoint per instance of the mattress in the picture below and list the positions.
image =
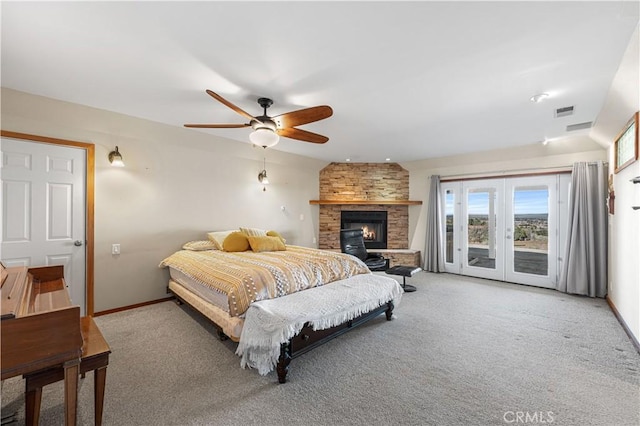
(231, 326)
(207, 293)
(245, 277)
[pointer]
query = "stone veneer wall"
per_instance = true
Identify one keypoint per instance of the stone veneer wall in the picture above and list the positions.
(364, 181)
(368, 182)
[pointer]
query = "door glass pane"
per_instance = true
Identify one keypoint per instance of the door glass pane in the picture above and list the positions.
(481, 228)
(449, 204)
(531, 229)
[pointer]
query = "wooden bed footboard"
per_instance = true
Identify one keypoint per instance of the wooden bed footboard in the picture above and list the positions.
(307, 338)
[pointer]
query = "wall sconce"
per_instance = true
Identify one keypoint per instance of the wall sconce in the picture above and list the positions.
(262, 176)
(115, 158)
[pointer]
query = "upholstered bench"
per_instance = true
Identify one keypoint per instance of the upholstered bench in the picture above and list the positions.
(405, 271)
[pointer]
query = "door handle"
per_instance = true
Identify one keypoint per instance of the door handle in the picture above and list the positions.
(77, 243)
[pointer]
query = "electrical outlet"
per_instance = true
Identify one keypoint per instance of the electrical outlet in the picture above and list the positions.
(115, 249)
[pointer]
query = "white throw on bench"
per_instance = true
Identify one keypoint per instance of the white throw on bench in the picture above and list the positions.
(270, 323)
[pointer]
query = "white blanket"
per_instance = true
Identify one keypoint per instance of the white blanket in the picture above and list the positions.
(269, 323)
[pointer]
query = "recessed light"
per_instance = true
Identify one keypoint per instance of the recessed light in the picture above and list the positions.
(539, 97)
(347, 160)
(387, 159)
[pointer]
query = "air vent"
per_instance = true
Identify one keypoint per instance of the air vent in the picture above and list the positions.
(579, 126)
(564, 111)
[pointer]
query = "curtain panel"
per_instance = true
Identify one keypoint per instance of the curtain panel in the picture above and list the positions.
(584, 268)
(434, 250)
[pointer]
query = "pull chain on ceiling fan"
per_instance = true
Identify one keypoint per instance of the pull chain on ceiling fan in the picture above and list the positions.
(266, 130)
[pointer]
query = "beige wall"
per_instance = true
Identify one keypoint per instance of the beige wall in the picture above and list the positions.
(556, 155)
(622, 101)
(177, 185)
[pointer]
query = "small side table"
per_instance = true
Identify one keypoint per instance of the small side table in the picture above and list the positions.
(405, 271)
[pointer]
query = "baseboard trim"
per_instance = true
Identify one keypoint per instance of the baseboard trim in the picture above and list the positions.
(137, 305)
(623, 324)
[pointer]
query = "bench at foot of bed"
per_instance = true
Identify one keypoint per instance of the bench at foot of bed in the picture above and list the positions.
(308, 338)
(277, 330)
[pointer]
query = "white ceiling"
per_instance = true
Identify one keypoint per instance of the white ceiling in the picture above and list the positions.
(406, 80)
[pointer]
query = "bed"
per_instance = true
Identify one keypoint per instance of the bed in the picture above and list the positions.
(279, 304)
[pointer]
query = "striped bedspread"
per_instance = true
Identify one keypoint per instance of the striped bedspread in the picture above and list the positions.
(246, 277)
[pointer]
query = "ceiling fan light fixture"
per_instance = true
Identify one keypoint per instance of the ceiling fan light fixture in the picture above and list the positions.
(264, 136)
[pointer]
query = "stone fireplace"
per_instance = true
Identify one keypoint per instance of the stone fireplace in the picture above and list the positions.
(369, 189)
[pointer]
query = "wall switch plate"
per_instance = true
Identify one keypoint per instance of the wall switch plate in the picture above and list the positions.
(115, 249)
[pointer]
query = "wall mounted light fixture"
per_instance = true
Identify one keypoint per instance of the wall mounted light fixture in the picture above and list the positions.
(262, 176)
(115, 158)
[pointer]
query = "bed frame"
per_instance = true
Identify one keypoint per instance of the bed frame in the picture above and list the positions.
(307, 339)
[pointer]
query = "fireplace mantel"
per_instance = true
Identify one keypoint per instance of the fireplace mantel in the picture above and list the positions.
(368, 202)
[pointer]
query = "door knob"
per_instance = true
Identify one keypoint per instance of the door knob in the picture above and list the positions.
(77, 243)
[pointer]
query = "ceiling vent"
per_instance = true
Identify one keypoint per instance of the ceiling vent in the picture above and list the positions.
(564, 111)
(579, 126)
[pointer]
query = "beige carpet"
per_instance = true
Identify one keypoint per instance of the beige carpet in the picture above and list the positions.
(461, 351)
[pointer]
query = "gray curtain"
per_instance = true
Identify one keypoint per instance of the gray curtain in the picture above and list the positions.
(584, 268)
(434, 250)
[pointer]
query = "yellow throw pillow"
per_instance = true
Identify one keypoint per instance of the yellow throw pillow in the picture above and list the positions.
(235, 241)
(253, 232)
(265, 243)
(276, 234)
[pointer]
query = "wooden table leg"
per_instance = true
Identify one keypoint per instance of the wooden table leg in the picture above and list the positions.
(99, 379)
(33, 398)
(71, 373)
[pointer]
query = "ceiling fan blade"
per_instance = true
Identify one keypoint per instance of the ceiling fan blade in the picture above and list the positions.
(216, 126)
(302, 135)
(237, 109)
(302, 116)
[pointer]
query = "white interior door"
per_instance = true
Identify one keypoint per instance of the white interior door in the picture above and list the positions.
(43, 209)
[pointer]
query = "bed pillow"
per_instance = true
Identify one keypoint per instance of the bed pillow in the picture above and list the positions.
(259, 244)
(199, 245)
(218, 237)
(276, 234)
(236, 241)
(253, 232)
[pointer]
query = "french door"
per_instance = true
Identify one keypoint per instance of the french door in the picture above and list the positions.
(505, 229)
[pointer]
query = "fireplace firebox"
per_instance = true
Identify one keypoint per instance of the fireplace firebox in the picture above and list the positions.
(372, 223)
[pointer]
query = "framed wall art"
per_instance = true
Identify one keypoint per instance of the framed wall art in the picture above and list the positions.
(626, 144)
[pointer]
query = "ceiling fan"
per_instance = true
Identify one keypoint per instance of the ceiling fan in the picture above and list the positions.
(266, 130)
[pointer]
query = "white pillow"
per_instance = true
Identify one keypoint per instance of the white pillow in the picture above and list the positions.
(217, 237)
(199, 245)
(253, 232)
